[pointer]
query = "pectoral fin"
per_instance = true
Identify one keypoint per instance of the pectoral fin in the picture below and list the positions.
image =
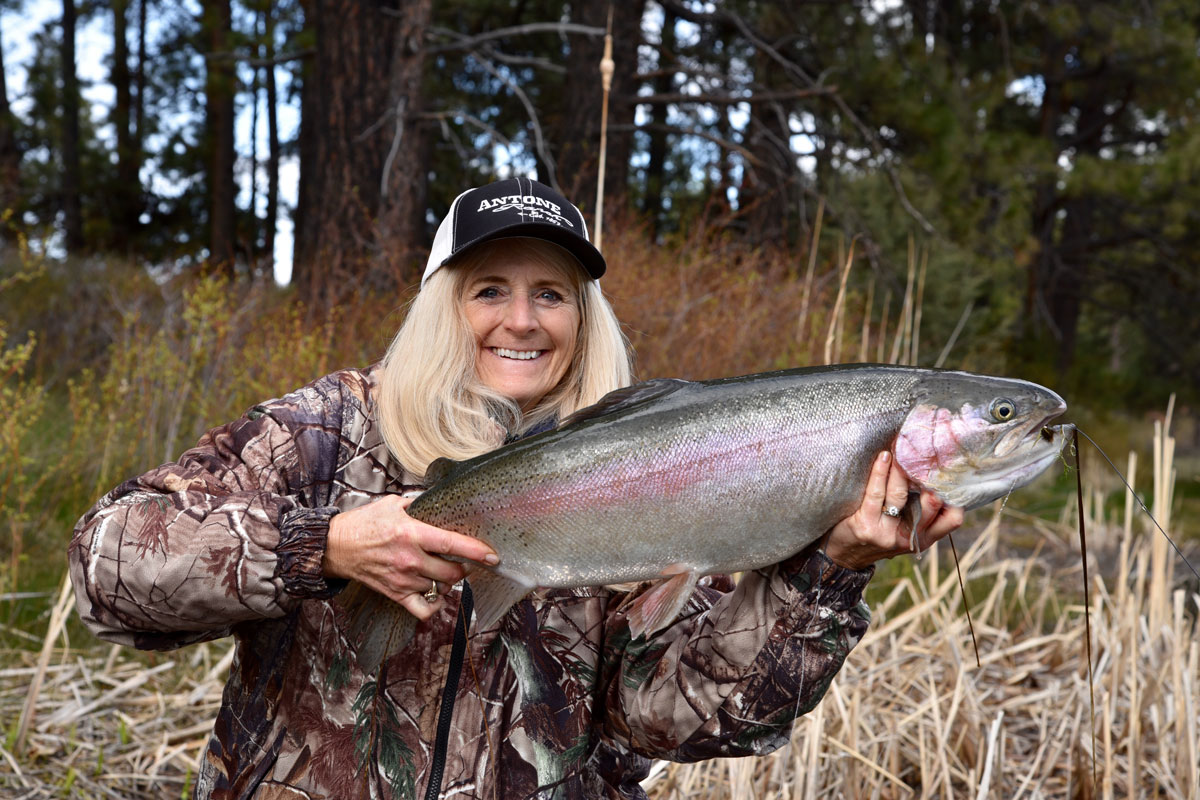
(379, 628)
(494, 596)
(660, 604)
(912, 515)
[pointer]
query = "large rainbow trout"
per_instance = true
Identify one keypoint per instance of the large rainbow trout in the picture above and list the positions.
(675, 479)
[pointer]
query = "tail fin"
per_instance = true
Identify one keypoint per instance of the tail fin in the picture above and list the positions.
(379, 628)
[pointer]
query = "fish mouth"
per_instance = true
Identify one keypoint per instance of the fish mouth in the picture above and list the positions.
(1044, 433)
(1051, 434)
(1034, 453)
(1036, 432)
(1044, 443)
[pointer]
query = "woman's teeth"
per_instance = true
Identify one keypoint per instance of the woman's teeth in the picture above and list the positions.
(520, 355)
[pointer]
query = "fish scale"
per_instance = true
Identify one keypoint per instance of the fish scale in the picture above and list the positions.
(675, 479)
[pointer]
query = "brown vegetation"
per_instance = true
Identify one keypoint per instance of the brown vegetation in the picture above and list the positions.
(909, 716)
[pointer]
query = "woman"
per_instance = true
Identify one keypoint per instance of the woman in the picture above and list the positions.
(255, 531)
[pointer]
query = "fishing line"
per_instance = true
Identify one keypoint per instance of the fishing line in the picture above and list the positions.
(966, 601)
(1004, 502)
(1138, 499)
(1087, 602)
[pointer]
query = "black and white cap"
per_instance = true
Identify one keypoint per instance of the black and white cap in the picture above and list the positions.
(511, 208)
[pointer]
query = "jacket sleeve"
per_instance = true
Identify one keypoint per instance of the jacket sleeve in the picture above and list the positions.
(233, 531)
(738, 666)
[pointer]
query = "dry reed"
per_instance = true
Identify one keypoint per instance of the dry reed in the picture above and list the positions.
(909, 716)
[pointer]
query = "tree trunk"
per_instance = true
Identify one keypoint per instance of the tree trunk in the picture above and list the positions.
(362, 191)
(124, 208)
(577, 134)
(1066, 225)
(72, 205)
(220, 89)
(272, 220)
(765, 197)
(303, 244)
(252, 236)
(139, 106)
(404, 185)
(10, 161)
(664, 83)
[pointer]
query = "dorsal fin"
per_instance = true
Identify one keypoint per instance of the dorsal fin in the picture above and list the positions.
(441, 468)
(628, 397)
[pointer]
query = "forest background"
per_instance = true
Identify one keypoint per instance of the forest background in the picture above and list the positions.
(1007, 187)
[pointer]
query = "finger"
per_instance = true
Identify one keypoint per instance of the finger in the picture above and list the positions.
(439, 569)
(418, 606)
(441, 542)
(947, 521)
(897, 487)
(877, 482)
(931, 505)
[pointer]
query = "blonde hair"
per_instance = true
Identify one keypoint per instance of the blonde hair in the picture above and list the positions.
(431, 402)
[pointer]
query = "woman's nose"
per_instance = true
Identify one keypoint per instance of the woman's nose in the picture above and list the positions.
(521, 315)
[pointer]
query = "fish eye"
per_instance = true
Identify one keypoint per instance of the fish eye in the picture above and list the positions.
(1003, 409)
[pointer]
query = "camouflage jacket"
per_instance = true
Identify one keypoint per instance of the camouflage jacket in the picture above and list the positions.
(557, 700)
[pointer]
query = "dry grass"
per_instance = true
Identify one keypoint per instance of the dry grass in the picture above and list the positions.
(110, 724)
(910, 716)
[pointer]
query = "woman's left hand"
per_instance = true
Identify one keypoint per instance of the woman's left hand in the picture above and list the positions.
(870, 534)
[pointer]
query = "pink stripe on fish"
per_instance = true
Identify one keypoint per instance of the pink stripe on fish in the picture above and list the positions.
(656, 477)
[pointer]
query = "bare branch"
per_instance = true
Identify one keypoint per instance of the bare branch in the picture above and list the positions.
(529, 61)
(717, 100)
(374, 126)
(243, 58)
(781, 145)
(538, 138)
(799, 74)
(442, 116)
(462, 42)
(702, 134)
(398, 113)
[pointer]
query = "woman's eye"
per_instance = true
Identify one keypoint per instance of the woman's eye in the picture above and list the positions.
(549, 296)
(488, 293)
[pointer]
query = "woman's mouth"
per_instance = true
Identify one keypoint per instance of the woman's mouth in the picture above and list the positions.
(519, 355)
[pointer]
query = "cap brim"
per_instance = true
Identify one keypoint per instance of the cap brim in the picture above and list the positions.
(588, 256)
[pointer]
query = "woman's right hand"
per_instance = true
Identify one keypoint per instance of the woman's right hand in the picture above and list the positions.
(381, 546)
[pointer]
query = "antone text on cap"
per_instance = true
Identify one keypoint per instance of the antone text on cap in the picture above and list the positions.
(513, 199)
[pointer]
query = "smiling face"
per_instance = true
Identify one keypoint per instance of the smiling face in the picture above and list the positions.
(525, 315)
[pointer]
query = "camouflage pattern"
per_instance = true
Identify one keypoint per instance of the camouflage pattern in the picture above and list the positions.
(555, 701)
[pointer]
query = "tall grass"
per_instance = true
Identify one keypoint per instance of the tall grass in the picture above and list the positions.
(910, 715)
(180, 358)
(704, 307)
(138, 369)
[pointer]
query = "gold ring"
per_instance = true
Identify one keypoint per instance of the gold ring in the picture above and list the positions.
(431, 596)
